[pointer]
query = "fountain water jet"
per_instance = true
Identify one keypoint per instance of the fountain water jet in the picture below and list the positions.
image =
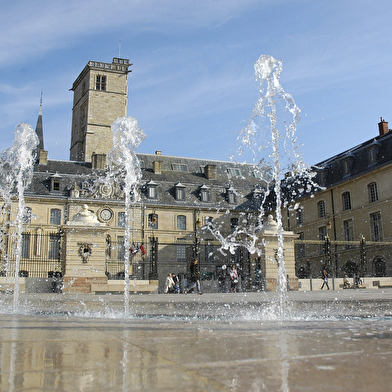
(17, 170)
(124, 164)
(274, 110)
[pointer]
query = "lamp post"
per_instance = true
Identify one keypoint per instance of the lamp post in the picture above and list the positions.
(153, 275)
(363, 268)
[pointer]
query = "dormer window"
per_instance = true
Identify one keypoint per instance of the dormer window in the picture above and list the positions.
(205, 196)
(372, 152)
(180, 192)
(181, 167)
(231, 196)
(234, 172)
(55, 182)
(152, 190)
(348, 163)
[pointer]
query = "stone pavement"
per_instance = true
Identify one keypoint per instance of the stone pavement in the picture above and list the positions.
(340, 341)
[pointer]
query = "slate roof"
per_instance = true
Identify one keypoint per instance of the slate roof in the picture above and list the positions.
(357, 159)
(192, 179)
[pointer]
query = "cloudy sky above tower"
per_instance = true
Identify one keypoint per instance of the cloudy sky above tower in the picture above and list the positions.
(192, 86)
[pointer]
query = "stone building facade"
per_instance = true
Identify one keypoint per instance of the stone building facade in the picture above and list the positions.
(352, 209)
(182, 202)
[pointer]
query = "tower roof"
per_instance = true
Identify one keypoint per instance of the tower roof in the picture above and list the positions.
(39, 128)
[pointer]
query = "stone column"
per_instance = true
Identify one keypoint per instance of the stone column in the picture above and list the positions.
(85, 252)
(269, 258)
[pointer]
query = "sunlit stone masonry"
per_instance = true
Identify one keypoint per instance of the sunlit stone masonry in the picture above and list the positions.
(74, 226)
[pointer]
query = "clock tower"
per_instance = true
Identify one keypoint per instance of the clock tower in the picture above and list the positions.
(100, 97)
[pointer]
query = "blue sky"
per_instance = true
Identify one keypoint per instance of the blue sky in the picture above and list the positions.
(192, 86)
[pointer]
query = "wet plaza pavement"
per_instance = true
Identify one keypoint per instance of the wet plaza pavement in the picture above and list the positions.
(336, 340)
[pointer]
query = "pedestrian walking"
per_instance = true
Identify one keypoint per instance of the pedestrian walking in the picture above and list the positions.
(325, 279)
(194, 277)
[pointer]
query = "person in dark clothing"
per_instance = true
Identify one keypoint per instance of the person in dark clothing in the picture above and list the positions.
(194, 276)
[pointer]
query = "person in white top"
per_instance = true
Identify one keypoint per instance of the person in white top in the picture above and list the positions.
(169, 284)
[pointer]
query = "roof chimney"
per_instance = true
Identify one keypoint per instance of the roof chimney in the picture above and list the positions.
(98, 161)
(382, 127)
(158, 152)
(157, 167)
(211, 172)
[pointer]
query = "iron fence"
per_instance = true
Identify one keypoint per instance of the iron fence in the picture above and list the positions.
(40, 255)
(342, 258)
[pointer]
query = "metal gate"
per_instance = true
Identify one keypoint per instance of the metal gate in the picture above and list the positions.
(40, 255)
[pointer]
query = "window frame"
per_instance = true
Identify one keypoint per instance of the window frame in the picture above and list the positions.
(346, 201)
(373, 192)
(100, 82)
(321, 210)
(55, 216)
(181, 222)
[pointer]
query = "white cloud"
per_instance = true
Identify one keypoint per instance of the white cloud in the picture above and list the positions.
(36, 27)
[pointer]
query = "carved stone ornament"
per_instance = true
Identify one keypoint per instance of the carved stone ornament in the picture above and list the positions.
(84, 251)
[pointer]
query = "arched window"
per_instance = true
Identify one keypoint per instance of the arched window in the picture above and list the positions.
(153, 221)
(181, 222)
(373, 193)
(321, 209)
(55, 216)
(346, 201)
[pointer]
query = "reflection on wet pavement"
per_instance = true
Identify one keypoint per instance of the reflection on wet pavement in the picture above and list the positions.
(60, 352)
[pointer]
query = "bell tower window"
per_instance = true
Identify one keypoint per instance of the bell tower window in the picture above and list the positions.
(100, 82)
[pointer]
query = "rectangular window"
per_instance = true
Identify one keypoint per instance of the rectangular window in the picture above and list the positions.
(233, 224)
(321, 209)
(121, 219)
(234, 172)
(373, 193)
(54, 246)
(56, 185)
(205, 195)
(181, 167)
(346, 201)
(180, 194)
(181, 222)
(152, 192)
(100, 83)
(55, 216)
(300, 217)
(25, 254)
(371, 156)
(231, 198)
(376, 229)
(120, 248)
(348, 228)
(181, 253)
(346, 167)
